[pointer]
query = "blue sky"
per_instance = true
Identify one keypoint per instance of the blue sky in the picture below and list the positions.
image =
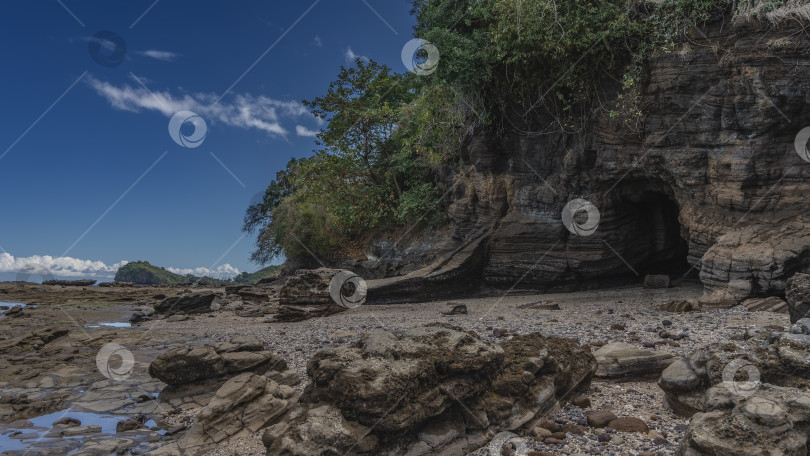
(90, 175)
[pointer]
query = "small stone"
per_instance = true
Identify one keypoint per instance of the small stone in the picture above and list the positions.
(528, 377)
(67, 421)
(581, 401)
(558, 435)
(617, 327)
(552, 441)
(600, 419)
(573, 429)
(664, 334)
(455, 309)
(541, 432)
(550, 425)
(604, 437)
(666, 323)
(629, 424)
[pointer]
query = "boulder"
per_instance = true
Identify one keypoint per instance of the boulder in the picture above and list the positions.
(429, 390)
(257, 293)
(137, 317)
(629, 424)
(245, 403)
(189, 304)
(600, 418)
(763, 356)
(620, 359)
(311, 293)
(680, 305)
(769, 421)
(184, 365)
(797, 294)
(301, 313)
(307, 287)
(454, 309)
(14, 312)
(657, 281)
(769, 304)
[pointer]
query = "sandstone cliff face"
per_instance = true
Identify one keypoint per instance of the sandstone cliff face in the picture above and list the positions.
(713, 178)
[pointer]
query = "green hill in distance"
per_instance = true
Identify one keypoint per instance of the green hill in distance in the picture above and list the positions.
(144, 273)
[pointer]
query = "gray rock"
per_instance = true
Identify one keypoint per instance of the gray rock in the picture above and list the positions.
(620, 359)
(797, 294)
(774, 357)
(398, 393)
(185, 365)
(189, 304)
(657, 281)
(769, 421)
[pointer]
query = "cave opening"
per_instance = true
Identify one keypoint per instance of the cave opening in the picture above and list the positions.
(659, 241)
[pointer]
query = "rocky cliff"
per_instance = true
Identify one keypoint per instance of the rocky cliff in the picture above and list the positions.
(712, 185)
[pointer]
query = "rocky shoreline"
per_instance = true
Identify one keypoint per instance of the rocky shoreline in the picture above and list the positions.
(233, 345)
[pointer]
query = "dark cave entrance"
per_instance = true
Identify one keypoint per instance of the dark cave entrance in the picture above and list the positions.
(657, 240)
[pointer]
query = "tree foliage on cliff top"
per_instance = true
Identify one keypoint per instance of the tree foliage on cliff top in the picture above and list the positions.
(378, 168)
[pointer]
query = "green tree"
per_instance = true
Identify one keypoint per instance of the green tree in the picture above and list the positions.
(365, 177)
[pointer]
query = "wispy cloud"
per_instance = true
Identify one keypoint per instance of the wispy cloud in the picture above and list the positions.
(301, 130)
(317, 41)
(242, 111)
(34, 267)
(165, 56)
(351, 56)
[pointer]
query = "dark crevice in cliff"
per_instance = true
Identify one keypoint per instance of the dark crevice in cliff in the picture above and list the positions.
(647, 216)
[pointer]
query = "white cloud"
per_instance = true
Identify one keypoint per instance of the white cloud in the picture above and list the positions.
(301, 130)
(58, 267)
(165, 56)
(317, 41)
(34, 267)
(226, 271)
(351, 56)
(242, 111)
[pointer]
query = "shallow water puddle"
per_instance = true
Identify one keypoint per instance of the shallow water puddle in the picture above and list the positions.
(25, 436)
(114, 324)
(5, 305)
